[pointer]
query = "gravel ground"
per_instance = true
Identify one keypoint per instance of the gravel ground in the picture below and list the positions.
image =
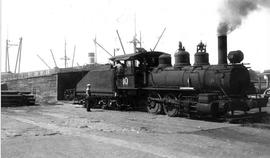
(67, 130)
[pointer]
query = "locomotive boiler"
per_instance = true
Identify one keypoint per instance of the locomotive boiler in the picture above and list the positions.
(213, 89)
(147, 78)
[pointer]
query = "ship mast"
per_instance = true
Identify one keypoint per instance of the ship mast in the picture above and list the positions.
(19, 56)
(135, 41)
(65, 58)
(95, 49)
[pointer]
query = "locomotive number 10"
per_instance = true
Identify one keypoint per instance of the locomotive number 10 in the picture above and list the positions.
(125, 81)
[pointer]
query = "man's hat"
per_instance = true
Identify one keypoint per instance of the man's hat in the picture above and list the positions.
(88, 85)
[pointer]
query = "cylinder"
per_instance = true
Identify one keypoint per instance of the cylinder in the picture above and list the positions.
(222, 49)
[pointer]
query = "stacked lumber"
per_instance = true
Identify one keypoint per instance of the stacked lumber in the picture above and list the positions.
(16, 98)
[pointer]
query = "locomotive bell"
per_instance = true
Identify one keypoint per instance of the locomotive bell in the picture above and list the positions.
(235, 56)
(201, 57)
(164, 60)
(181, 57)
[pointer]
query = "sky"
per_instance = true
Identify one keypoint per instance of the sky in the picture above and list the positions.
(46, 24)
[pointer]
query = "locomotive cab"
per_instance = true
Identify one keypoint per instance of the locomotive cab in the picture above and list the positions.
(134, 68)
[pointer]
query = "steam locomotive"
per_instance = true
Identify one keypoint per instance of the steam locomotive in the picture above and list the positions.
(148, 79)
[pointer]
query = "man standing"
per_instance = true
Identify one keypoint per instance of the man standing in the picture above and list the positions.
(119, 68)
(89, 99)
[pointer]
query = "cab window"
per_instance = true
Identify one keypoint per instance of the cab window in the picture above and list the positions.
(137, 63)
(128, 64)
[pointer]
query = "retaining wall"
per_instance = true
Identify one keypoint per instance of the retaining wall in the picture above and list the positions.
(44, 87)
(47, 85)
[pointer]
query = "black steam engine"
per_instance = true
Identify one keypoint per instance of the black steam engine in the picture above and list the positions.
(147, 78)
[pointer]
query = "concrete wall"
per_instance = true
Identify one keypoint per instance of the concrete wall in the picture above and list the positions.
(14, 76)
(48, 88)
(48, 85)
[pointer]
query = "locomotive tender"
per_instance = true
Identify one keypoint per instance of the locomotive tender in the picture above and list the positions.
(147, 78)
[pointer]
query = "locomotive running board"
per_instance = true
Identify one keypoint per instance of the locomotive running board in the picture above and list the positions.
(170, 89)
(242, 118)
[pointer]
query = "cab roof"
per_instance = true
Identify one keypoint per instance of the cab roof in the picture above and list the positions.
(138, 55)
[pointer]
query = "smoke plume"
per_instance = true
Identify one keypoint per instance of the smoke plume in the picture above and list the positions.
(232, 13)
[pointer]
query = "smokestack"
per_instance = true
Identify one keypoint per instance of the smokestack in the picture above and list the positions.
(222, 49)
